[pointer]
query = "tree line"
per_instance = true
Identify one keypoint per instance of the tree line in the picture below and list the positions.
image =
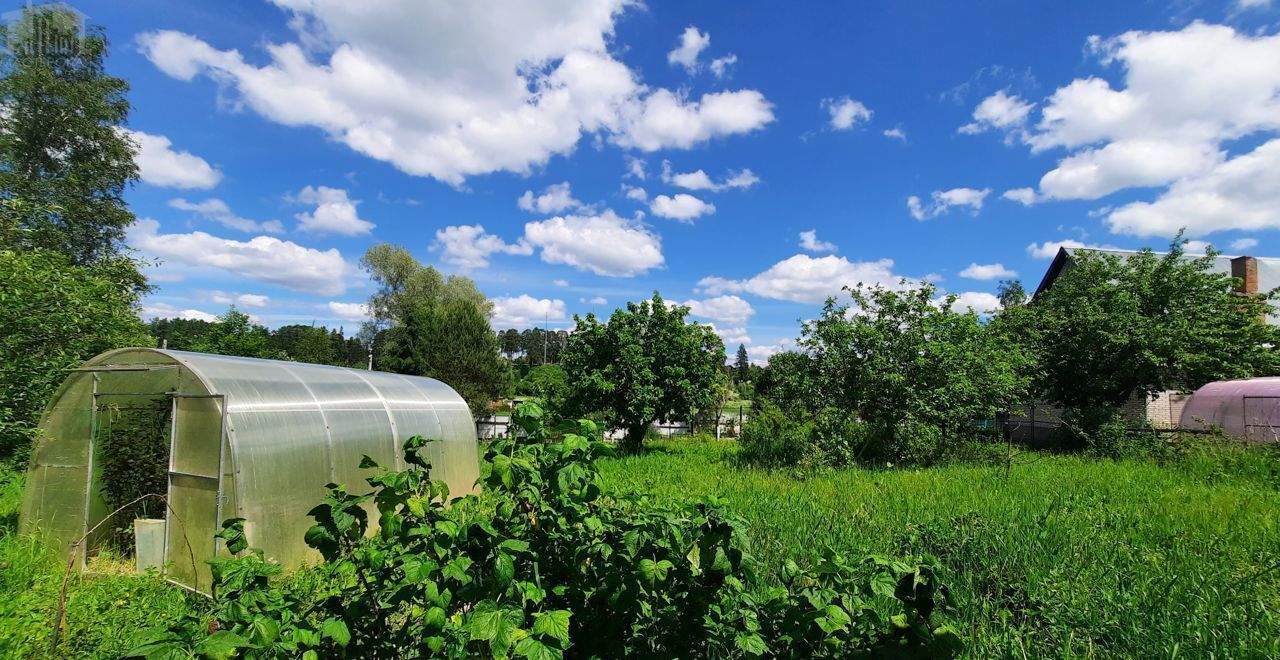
(234, 333)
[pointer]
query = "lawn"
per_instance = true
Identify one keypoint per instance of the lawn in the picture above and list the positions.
(1063, 556)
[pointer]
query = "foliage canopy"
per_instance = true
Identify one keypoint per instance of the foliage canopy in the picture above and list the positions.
(645, 364)
(56, 314)
(439, 327)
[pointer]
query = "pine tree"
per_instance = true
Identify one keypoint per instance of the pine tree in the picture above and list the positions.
(742, 365)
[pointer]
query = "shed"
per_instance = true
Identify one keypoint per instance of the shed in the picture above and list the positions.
(1248, 409)
(224, 437)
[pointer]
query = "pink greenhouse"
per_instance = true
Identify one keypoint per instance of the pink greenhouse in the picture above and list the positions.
(1248, 409)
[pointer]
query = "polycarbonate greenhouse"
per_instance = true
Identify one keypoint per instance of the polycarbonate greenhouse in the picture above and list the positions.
(1248, 409)
(224, 437)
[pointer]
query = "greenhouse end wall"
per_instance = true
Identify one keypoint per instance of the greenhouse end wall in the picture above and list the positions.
(1248, 409)
(249, 438)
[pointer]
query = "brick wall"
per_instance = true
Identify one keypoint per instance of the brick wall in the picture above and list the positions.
(1164, 410)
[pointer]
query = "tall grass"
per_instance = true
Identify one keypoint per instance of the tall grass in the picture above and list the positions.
(108, 610)
(1062, 556)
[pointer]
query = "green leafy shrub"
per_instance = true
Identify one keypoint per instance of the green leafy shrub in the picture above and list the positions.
(899, 380)
(770, 438)
(544, 564)
(55, 315)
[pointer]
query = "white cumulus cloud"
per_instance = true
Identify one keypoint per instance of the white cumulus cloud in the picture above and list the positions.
(699, 180)
(730, 309)
(604, 244)
(809, 241)
(167, 311)
(1242, 193)
(806, 279)
(692, 43)
(980, 302)
(1136, 163)
(1023, 196)
(468, 247)
(731, 336)
(217, 210)
(253, 300)
(1049, 249)
(895, 133)
(525, 311)
(668, 120)
(1000, 111)
(335, 212)
(720, 65)
(635, 168)
(262, 258)
(349, 311)
(555, 198)
(452, 90)
(635, 193)
(976, 271)
(160, 165)
(681, 206)
(845, 112)
(1182, 98)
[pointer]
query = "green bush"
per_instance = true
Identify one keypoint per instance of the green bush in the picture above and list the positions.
(770, 438)
(546, 562)
(835, 438)
(55, 315)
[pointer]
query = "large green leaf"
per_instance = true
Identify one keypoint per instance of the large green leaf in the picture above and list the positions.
(336, 630)
(219, 645)
(534, 649)
(554, 623)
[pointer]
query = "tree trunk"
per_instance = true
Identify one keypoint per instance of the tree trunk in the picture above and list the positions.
(633, 441)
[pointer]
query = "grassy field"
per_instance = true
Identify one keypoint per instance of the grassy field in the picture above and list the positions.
(1064, 556)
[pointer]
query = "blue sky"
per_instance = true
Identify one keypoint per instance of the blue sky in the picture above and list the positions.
(959, 142)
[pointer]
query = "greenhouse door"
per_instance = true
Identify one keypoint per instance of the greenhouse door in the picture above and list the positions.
(195, 487)
(1261, 418)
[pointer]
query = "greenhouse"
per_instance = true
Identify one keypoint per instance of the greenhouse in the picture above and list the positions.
(225, 437)
(1247, 409)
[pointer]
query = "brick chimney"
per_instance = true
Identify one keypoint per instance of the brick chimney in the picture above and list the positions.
(1246, 270)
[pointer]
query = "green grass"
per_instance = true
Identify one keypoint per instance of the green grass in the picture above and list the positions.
(108, 609)
(1066, 556)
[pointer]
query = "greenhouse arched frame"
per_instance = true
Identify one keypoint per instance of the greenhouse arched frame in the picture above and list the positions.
(243, 438)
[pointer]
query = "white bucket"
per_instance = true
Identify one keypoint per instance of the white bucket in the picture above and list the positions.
(148, 543)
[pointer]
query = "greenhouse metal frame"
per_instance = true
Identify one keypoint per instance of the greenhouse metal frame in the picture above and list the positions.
(247, 438)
